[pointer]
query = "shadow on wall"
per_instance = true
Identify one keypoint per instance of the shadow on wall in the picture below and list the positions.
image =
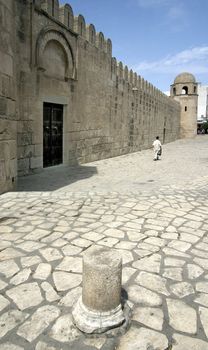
(54, 178)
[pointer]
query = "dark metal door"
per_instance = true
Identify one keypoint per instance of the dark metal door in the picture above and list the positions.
(52, 134)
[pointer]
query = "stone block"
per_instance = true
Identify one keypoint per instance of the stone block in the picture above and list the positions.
(36, 162)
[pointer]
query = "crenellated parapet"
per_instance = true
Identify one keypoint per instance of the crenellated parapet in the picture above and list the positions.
(77, 24)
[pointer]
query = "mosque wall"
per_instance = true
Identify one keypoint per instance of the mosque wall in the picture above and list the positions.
(74, 102)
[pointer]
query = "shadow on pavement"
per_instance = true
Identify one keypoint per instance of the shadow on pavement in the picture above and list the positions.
(54, 178)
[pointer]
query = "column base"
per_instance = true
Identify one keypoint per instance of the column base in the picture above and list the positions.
(91, 321)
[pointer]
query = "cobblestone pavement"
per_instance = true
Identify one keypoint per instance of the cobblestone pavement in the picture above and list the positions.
(160, 231)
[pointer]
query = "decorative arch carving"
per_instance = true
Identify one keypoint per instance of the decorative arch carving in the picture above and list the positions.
(91, 34)
(52, 35)
(66, 16)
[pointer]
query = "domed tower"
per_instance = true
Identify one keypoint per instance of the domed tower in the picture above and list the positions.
(184, 90)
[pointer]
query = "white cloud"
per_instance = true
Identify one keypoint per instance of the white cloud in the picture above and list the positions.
(193, 60)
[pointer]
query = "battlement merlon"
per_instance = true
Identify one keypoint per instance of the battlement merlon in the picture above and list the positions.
(65, 15)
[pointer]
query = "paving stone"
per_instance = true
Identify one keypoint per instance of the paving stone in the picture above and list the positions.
(181, 342)
(8, 268)
(3, 285)
(25, 295)
(108, 241)
(4, 244)
(174, 262)
(10, 253)
(115, 233)
(70, 264)
(97, 343)
(10, 346)
(59, 243)
(10, 320)
(203, 312)
(189, 238)
(51, 254)
(43, 346)
(125, 245)
(64, 330)
(37, 234)
(71, 297)
(182, 317)
(142, 339)
(152, 282)
(179, 245)
(142, 252)
(202, 262)
(173, 252)
(202, 287)
(202, 299)
(5, 229)
(151, 264)
(3, 302)
(52, 237)
(82, 243)
(38, 322)
(155, 241)
(64, 280)
(199, 253)
(71, 250)
(149, 247)
(93, 236)
(30, 261)
(173, 273)
(21, 277)
(30, 246)
(202, 246)
(141, 295)
(169, 235)
(127, 272)
(149, 316)
(50, 293)
(151, 233)
(42, 272)
(194, 271)
(126, 256)
(182, 289)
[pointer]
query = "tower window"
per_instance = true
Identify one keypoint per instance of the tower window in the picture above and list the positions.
(174, 91)
(184, 90)
(194, 89)
(185, 108)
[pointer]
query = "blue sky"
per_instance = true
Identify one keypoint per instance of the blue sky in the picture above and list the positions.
(158, 39)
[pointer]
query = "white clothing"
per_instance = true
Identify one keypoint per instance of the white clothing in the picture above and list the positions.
(157, 145)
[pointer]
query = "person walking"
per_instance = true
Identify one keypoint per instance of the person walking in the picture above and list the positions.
(157, 147)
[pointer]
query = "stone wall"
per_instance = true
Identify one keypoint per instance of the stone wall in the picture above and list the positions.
(8, 149)
(107, 109)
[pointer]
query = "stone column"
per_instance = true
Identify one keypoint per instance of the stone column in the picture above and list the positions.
(99, 307)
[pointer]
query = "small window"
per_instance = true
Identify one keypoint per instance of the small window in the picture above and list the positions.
(174, 91)
(185, 108)
(184, 90)
(53, 8)
(194, 89)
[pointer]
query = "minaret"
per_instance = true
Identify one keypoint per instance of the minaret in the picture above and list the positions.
(184, 90)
